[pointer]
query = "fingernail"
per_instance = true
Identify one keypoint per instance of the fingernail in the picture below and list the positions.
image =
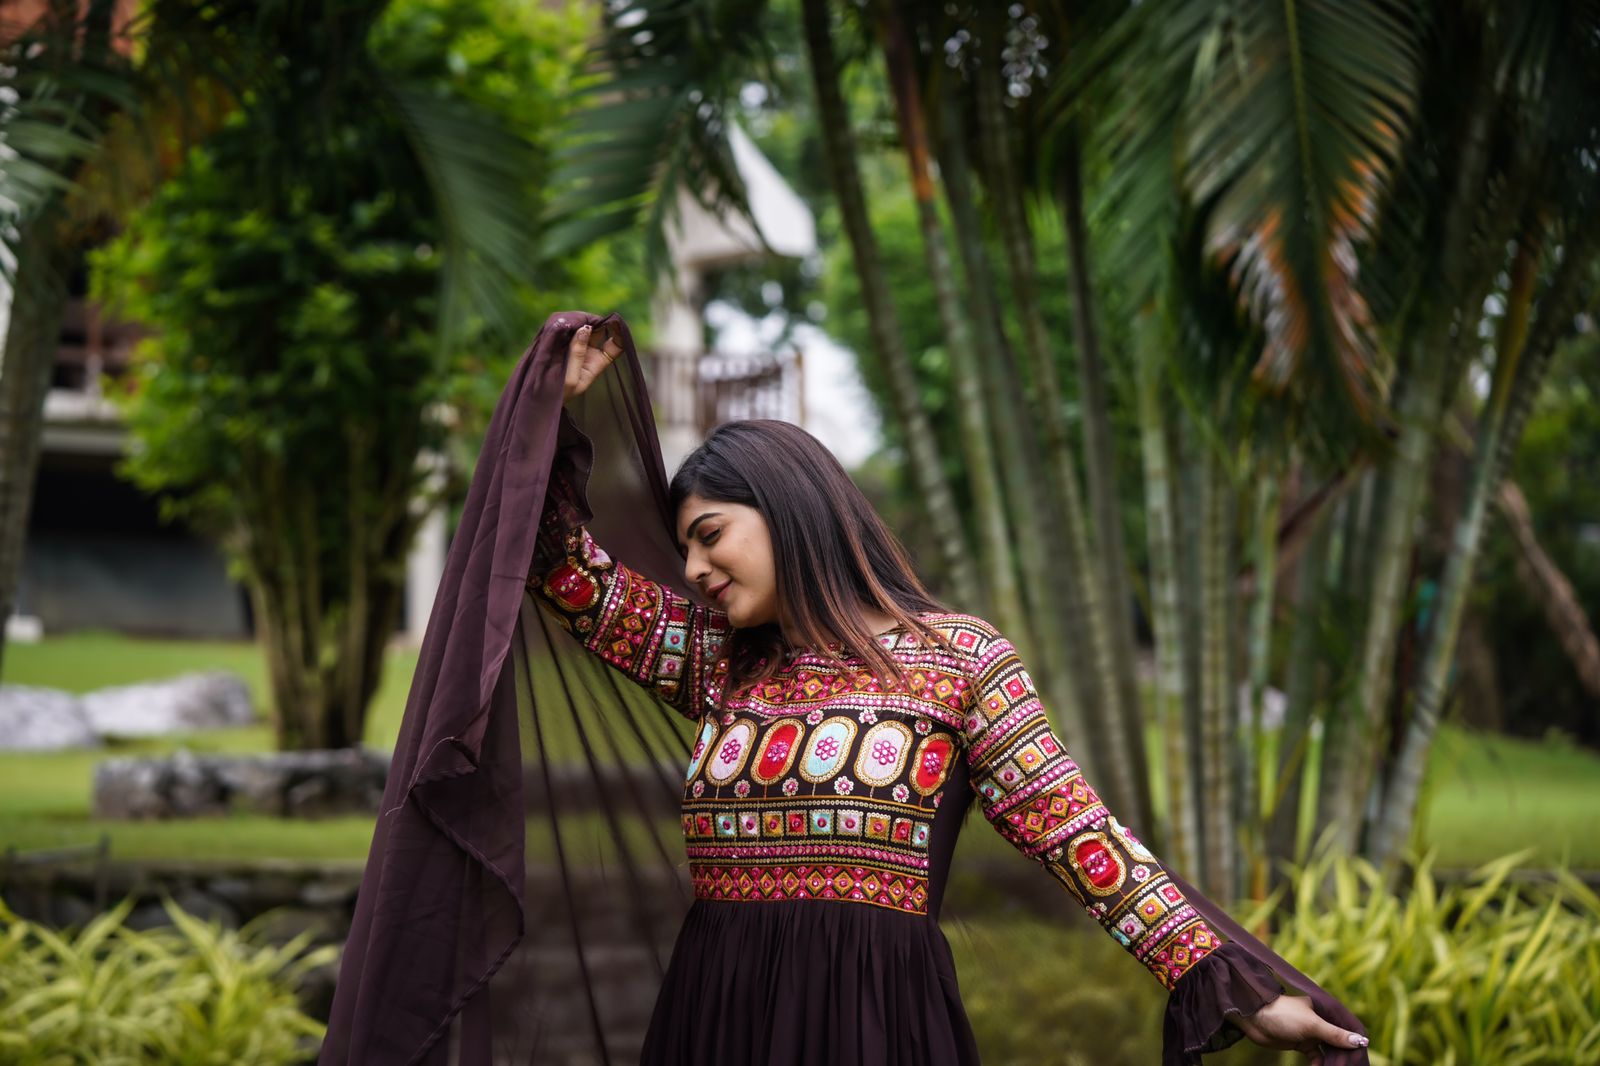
(1358, 1040)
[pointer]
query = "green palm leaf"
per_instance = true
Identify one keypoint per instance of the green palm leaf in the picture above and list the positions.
(1295, 121)
(665, 77)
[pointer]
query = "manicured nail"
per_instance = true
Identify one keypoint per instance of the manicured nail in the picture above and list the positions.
(1358, 1040)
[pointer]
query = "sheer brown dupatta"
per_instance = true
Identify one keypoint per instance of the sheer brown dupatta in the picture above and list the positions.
(509, 724)
(500, 694)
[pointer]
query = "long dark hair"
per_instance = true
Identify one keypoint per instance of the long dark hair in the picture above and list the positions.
(832, 553)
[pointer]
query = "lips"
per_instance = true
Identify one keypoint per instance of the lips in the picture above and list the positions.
(716, 593)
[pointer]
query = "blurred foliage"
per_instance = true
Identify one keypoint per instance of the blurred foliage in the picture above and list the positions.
(1497, 968)
(325, 285)
(190, 994)
(1555, 469)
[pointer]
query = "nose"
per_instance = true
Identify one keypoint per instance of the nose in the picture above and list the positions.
(695, 569)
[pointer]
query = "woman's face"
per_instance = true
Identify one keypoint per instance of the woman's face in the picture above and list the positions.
(728, 555)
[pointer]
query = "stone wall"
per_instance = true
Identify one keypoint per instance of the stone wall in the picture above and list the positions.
(305, 784)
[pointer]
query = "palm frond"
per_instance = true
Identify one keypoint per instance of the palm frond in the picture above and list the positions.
(666, 75)
(479, 171)
(1295, 121)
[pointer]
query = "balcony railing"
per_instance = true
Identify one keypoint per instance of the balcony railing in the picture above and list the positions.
(707, 389)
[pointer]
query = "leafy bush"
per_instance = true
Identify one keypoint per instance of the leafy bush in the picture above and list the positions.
(186, 995)
(1502, 967)
(1497, 968)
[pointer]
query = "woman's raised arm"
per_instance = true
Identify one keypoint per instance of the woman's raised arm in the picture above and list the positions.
(648, 631)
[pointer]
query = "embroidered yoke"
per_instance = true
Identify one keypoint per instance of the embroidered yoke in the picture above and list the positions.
(823, 784)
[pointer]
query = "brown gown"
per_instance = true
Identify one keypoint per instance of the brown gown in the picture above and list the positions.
(819, 810)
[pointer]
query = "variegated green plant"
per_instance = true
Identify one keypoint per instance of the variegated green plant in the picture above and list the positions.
(1502, 966)
(190, 994)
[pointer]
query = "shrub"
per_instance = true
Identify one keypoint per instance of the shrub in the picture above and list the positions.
(1501, 967)
(187, 995)
(1497, 968)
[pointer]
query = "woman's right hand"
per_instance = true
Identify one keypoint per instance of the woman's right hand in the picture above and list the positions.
(590, 352)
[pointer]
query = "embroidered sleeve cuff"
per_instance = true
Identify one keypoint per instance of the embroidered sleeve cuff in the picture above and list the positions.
(1228, 983)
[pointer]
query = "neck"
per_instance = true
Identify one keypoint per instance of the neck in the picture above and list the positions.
(877, 621)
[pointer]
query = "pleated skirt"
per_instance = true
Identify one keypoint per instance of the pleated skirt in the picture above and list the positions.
(803, 982)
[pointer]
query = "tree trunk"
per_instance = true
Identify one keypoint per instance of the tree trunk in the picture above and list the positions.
(844, 174)
(1117, 749)
(1301, 692)
(1348, 760)
(26, 364)
(994, 542)
(1105, 503)
(1264, 552)
(1519, 372)
(1033, 512)
(1218, 702)
(1554, 592)
(1166, 615)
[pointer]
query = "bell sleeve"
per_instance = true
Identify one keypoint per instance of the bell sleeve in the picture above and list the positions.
(1032, 791)
(648, 631)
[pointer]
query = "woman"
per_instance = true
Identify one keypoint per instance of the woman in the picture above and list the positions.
(845, 721)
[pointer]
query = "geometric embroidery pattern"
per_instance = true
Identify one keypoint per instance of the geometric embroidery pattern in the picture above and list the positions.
(821, 783)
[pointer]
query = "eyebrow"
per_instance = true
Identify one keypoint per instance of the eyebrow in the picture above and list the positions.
(682, 547)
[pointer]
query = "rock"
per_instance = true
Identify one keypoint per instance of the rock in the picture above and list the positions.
(282, 924)
(252, 786)
(209, 700)
(147, 916)
(126, 789)
(39, 719)
(42, 719)
(207, 908)
(304, 784)
(192, 787)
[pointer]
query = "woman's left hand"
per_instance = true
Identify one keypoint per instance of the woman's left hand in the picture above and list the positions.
(1289, 1024)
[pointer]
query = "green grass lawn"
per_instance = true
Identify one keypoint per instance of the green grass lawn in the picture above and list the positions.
(1487, 795)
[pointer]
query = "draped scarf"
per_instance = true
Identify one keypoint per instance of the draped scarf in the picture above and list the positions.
(440, 965)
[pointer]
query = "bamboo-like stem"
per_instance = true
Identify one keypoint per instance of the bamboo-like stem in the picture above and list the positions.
(31, 339)
(1166, 617)
(1216, 690)
(994, 541)
(1285, 840)
(1029, 508)
(1253, 754)
(844, 175)
(1118, 760)
(1519, 372)
(1100, 465)
(1348, 760)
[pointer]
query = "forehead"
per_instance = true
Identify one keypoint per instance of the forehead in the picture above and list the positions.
(694, 506)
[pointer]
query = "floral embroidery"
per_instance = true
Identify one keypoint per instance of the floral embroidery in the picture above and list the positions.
(827, 735)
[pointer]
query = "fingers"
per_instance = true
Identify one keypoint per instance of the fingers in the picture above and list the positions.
(588, 355)
(1336, 1037)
